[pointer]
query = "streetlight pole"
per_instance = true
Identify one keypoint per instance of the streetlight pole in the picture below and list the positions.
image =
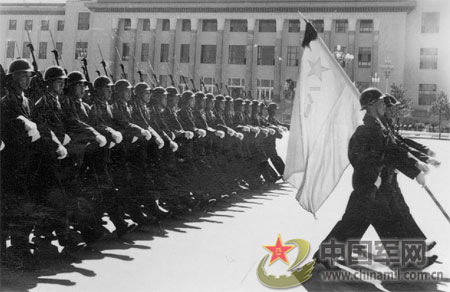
(387, 67)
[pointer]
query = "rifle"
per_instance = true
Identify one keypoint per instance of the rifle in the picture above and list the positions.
(104, 64)
(228, 91)
(171, 76)
(56, 53)
(182, 76)
(124, 75)
(218, 89)
(86, 74)
(37, 86)
(150, 80)
(202, 83)
(153, 72)
(5, 82)
(141, 79)
(193, 85)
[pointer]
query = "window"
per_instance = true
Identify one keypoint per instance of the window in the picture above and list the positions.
(236, 86)
(164, 56)
(26, 50)
(125, 51)
(236, 55)
(341, 26)
(430, 22)
(81, 50)
(146, 25)
(427, 93)
(294, 25)
(267, 25)
(293, 54)
(238, 25)
(60, 25)
(186, 25)
(208, 54)
(366, 26)
(28, 24)
(365, 57)
(10, 49)
(83, 20)
(184, 53)
(126, 24)
(210, 84)
(145, 52)
(44, 25)
(428, 58)
(264, 89)
(163, 80)
(266, 55)
(59, 48)
(43, 50)
(165, 25)
(209, 25)
(318, 24)
(12, 24)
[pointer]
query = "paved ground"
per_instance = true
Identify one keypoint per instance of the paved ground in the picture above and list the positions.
(220, 250)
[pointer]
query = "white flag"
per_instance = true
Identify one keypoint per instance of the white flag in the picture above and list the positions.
(325, 114)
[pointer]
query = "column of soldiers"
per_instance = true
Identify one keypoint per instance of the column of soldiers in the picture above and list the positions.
(134, 153)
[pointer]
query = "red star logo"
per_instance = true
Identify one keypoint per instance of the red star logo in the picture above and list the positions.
(278, 251)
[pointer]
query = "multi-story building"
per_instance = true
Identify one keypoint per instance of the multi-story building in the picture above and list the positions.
(248, 47)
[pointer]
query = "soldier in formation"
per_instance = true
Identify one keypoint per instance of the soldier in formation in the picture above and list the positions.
(137, 154)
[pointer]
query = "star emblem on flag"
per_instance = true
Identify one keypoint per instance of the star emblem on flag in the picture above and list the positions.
(317, 68)
(278, 251)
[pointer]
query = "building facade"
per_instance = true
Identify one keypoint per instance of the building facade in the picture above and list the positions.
(243, 47)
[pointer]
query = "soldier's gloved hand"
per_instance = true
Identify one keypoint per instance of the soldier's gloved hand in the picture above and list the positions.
(210, 129)
(29, 125)
(146, 134)
(422, 167)
(117, 136)
(271, 131)
(265, 132)
(61, 151)
(377, 183)
(101, 140)
(188, 135)
(134, 139)
(245, 129)
(231, 132)
(220, 134)
(173, 146)
(2, 146)
(431, 153)
(111, 145)
(420, 178)
(159, 142)
(240, 136)
(31, 128)
(66, 140)
(434, 162)
(201, 133)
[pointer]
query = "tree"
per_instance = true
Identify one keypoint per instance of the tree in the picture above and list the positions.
(441, 107)
(404, 108)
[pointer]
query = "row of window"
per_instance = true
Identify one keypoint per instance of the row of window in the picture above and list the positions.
(430, 24)
(29, 25)
(42, 51)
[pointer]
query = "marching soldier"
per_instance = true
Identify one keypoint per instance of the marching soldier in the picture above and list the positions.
(18, 132)
(101, 118)
(271, 149)
(372, 152)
